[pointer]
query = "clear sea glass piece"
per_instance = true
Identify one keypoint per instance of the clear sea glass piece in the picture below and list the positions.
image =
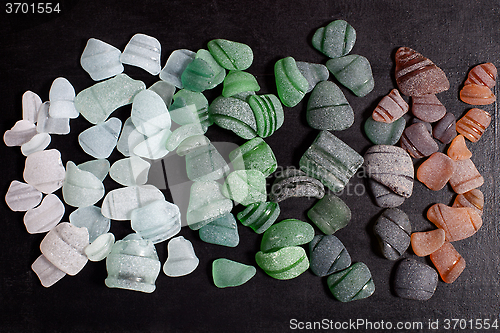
(157, 221)
(44, 170)
(181, 258)
(176, 64)
(62, 99)
(165, 90)
(31, 105)
(130, 171)
(46, 271)
(47, 124)
(90, 217)
(206, 203)
(81, 188)
(99, 140)
(152, 148)
(99, 248)
(123, 141)
(143, 51)
(181, 133)
(149, 113)
(22, 197)
(37, 143)
(44, 217)
(98, 168)
(118, 204)
(229, 273)
(101, 60)
(20, 133)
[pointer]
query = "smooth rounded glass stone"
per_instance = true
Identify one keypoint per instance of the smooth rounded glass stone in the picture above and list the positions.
(47, 273)
(448, 262)
(328, 109)
(384, 196)
(235, 115)
(327, 255)
(31, 102)
(393, 230)
(290, 232)
(313, 73)
(231, 55)
(181, 258)
(190, 107)
(427, 108)
(202, 73)
(175, 65)
(99, 248)
(466, 177)
(44, 170)
(476, 94)
(99, 167)
(221, 231)
(268, 112)
(330, 214)
(380, 133)
(64, 247)
(458, 149)
(81, 188)
(352, 283)
(206, 203)
(390, 108)
(153, 148)
(44, 217)
(130, 171)
(417, 141)
(254, 154)
(101, 60)
(473, 198)
(428, 126)
(149, 113)
(22, 132)
(191, 144)
(245, 187)
(205, 163)
(22, 197)
(457, 223)
(118, 204)
(295, 183)
(285, 263)
(473, 124)
(157, 221)
(229, 273)
(37, 143)
(290, 83)
(354, 72)
(335, 40)
(483, 74)
(47, 124)
(445, 129)
(238, 81)
(143, 51)
(165, 90)
(97, 102)
(123, 145)
(436, 171)
(133, 265)
(415, 280)
(62, 99)
(425, 243)
(90, 217)
(259, 216)
(99, 140)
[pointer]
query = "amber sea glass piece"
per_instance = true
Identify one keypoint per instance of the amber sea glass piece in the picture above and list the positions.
(448, 262)
(466, 177)
(458, 149)
(436, 171)
(483, 74)
(474, 198)
(426, 242)
(476, 94)
(458, 223)
(473, 124)
(390, 108)
(427, 108)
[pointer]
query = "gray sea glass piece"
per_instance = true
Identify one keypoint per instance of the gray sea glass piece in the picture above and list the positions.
(235, 115)
(165, 90)
(101, 60)
(354, 72)
(206, 203)
(445, 129)
(335, 39)
(44, 170)
(99, 140)
(149, 113)
(99, 248)
(393, 230)
(31, 104)
(47, 124)
(417, 140)
(118, 204)
(176, 64)
(295, 183)
(47, 273)
(415, 280)
(143, 51)
(130, 171)
(327, 255)
(22, 131)
(22, 197)
(352, 283)
(37, 143)
(62, 99)
(153, 148)
(205, 162)
(156, 221)
(90, 217)
(384, 197)
(222, 231)
(81, 188)
(98, 168)
(181, 258)
(44, 217)
(123, 141)
(313, 73)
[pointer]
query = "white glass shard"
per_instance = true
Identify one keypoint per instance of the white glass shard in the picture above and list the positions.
(118, 204)
(81, 188)
(130, 171)
(143, 51)
(99, 140)
(44, 217)
(98, 168)
(181, 258)
(176, 64)
(123, 142)
(157, 221)
(47, 124)
(101, 60)
(46, 271)
(21, 197)
(37, 143)
(149, 113)
(31, 105)
(44, 170)
(154, 147)
(20, 133)
(90, 217)
(100, 247)
(62, 99)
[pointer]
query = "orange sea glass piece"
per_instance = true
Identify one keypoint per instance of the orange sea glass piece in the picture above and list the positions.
(436, 171)
(390, 108)
(473, 124)
(474, 198)
(458, 223)
(426, 242)
(448, 262)
(466, 177)
(427, 108)
(458, 149)
(485, 74)
(476, 94)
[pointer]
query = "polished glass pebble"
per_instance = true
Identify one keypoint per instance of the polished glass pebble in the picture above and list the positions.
(62, 99)
(477, 94)
(268, 113)
(44, 217)
(415, 280)
(90, 217)
(99, 167)
(328, 109)
(354, 72)
(47, 124)
(327, 255)
(156, 221)
(206, 203)
(181, 133)
(483, 74)
(393, 229)
(380, 133)
(466, 177)
(22, 132)
(235, 115)
(21, 197)
(473, 198)
(231, 55)
(285, 263)
(259, 216)
(202, 73)
(81, 188)
(426, 242)
(229, 273)
(245, 187)
(37, 143)
(181, 258)
(99, 248)
(165, 90)
(331, 161)
(330, 214)
(384, 196)
(221, 231)
(175, 65)
(352, 283)
(101, 60)
(143, 51)
(44, 170)
(448, 262)
(191, 144)
(436, 171)
(458, 223)
(427, 108)
(190, 107)
(290, 232)
(31, 103)
(418, 142)
(390, 108)
(149, 113)
(458, 149)
(205, 163)
(473, 124)
(123, 145)
(254, 154)
(130, 171)
(47, 273)
(314, 73)
(445, 129)
(294, 183)
(290, 83)
(428, 126)
(99, 140)
(237, 82)
(153, 148)
(118, 204)
(335, 40)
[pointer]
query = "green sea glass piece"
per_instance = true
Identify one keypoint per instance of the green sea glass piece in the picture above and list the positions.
(235, 115)
(222, 231)
(182, 133)
(353, 283)
(328, 109)
(245, 187)
(285, 263)
(181, 110)
(202, 73)
(290, 232)
(268, 113)
(330, 214)
(290, 83)
(228, 273)
(149, 113)
(98, 168)
(231, 55)
(335, 40)
(381, 133)
(81, 188)
(254, 154)
(206, 203)
(237, 82)
(204, 162)
(354, 72)
(259, 216)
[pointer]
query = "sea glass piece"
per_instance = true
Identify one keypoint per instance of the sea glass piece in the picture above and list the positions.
(37, 143)
(466, 177)
(118, 204)
(46, 271)
(314, 73)
(290, 232)
(181, 258)
(99, 140)
(328, 255)
(331, 161)
(22, 131)
(237, 82)
(415, 280)
(44, 170)
(390, 108)
(352, 283)
(133, 264)
(384, 196)
(254, 154)
(101, 60)
(31, 103)
(285, 263)
(191, 144)
(473, 198)
(149, 113)
(153, 148)
(482, 74)
(97, 102)
(392, 167)
(295, 183)
(473, 124)
(156, 221)
(458, 149)
(81, 188)
(22, 197)
(245, 187)
(328, 109)
(235, 115)
(436, 171)
(205, 163)
(393, 229)
(380, 133)
(445, 129)
(428, 126)
(99, 248)
(229, 273)
(130, 171)
(426, 242)
(47, 124)
(98, 167)
(221, 231)
(165, 90)
(268, 113)
(416, 75)
(448, 262)
(418, 142)
(354, 72)
(144, 52)
(231, 55)
(330, 214)
(62, 99)
(123, 145)
(190, 107)
(335, 40)
(44, 217)
(90, 217)
(290, 83)
(175, 65)
(259, 216)
(427, 108)
(458, 223)
(202, 73)
(64, 247)
(206, 203)
(477, 94)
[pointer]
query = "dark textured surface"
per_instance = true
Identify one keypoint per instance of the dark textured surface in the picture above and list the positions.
(35, 49)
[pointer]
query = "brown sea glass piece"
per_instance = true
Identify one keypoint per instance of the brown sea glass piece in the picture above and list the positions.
(458, 223)
(390, 108)
(448, 262)
(458, 149)
(427, 108)
(483, 74)
(436, 171)
(426, 242)
(474, 199)
(466, 177)
(417, 141)
(473, 124)
(477, 94)
(416, 75)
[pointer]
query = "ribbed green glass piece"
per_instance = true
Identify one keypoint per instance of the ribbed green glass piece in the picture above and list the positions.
(228, 273)
(268, 113)
(237, 82)
(354, 72)
(286, 233)
(190, 107)
(235, 115)
(353, 283)
(330, 214)
(231, 55)
(245, 187)
(254, 154)
(381, 133)
(222, 231)
(285, 263)
(335, 40)
(290, 83)
(259, 216)
(202, 73)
